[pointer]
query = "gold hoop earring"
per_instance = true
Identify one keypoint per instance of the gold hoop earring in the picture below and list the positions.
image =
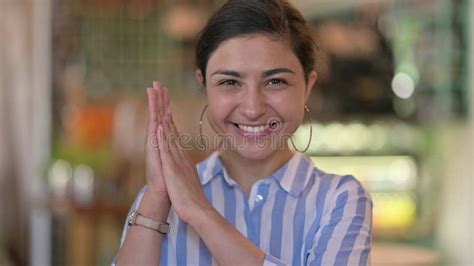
(310, 133)
(200, 137)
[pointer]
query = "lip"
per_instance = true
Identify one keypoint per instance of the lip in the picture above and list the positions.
(251, 125)
(246, 134)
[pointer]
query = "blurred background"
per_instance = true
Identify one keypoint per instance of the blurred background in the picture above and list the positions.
(393, 106)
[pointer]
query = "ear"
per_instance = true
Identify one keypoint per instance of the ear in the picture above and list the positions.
(312, 78)
(200, 77)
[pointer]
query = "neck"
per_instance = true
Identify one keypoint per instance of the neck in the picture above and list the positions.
(247, 171)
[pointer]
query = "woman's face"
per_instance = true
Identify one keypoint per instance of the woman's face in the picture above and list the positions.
(256, 94)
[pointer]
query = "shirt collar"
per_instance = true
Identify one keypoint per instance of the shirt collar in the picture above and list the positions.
(209, 168)
(295, 174)
(292, 177)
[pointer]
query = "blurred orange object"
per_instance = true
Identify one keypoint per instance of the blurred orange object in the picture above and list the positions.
(90, 126)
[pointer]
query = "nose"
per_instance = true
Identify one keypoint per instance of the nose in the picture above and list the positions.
(253, 104)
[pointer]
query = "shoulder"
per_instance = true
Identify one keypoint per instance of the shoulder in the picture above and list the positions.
(307, 178)
(342, 227)
(340, 190)
(337, 184)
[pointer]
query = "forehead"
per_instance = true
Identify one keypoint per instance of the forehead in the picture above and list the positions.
(253, 52)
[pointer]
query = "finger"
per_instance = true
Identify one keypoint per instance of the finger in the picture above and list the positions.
(170, 137)
(173, 128)
(153, 161)
(151, 106)
(152, 118)
(166, 99)
(165, 154)
(159, 100)
(163, 101)
(174, 131)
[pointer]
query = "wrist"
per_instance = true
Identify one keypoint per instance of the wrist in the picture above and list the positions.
(155, 206)
(203, 216)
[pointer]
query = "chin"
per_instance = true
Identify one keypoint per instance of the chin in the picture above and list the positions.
(254, 152)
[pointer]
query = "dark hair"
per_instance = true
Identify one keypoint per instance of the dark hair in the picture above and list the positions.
(276, 18)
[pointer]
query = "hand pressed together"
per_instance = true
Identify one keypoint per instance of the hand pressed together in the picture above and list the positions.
(153, 169)
(170, 170)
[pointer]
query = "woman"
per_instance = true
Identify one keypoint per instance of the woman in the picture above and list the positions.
(253, 201)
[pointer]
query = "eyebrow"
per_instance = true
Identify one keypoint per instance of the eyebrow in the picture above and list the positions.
(274, 71)
(227, 73)
(265, 74)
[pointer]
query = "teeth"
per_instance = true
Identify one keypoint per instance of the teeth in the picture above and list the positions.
(253, 129)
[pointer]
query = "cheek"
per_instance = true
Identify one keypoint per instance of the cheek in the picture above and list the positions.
(291, 111)
(289, 107)
(295, 119)
(219, 108)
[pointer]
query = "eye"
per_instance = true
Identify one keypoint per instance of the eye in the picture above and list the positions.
(229, 82)
(276, 82)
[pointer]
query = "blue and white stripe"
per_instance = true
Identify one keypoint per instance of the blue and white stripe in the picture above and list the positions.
(297, 216)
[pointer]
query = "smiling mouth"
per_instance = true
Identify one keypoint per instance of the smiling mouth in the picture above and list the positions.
(272, 125)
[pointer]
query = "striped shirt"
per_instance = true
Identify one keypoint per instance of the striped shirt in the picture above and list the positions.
(300, 215)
